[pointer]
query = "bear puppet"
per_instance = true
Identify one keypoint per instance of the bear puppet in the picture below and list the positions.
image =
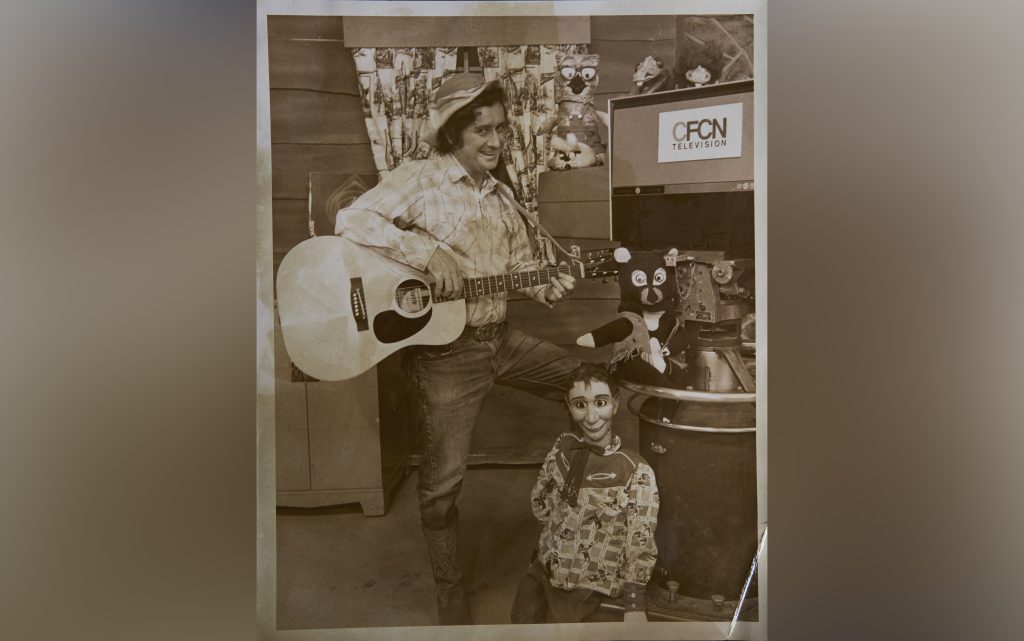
(646, 330)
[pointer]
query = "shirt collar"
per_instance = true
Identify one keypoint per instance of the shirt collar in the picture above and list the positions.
(457, 172)
(614, 446)
(611, 448)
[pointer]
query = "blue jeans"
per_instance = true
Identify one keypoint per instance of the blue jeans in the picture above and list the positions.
(452, 381)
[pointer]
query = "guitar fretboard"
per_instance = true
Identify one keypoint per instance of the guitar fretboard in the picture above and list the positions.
(482, 285)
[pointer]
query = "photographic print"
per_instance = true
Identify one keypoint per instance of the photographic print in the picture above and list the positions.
(512, 320)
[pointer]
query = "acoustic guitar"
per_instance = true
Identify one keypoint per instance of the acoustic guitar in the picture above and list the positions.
(345, 307)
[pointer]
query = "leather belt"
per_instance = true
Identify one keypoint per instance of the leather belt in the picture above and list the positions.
(485, 332)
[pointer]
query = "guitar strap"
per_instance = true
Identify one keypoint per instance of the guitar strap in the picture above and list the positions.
(543, 235)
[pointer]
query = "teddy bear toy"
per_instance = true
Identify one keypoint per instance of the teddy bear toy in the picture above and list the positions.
(646, 332)
(569, 153)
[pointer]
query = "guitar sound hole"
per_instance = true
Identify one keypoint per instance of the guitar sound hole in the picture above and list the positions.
(391, 327)
(412, 298)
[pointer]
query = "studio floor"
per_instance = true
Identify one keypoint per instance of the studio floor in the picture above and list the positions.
(339, 569)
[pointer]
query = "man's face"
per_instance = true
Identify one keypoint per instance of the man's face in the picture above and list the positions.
(592, 407)
(482, 142)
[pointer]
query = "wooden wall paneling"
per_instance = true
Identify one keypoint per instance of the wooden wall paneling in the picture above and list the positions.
(579, 219)
(305, 27)
(653, 27)
(313, 117)
(619, 60)
(574, 203)
(324, 65)
(291, 223)
(292, 439)
(292, 456)
(343, 428)
(294, 162)
(281, 359)
(589, 183)
(464, 31)
(563, 324)
(278, 257)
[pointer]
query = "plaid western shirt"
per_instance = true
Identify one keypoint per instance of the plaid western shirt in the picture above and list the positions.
(606, 542)
(423, 205)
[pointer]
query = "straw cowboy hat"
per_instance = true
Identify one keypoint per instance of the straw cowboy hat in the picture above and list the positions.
(455, 93)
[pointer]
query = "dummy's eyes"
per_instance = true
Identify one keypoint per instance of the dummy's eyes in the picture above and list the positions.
(582, 405)
(659, 276)
(639, 278)
(588, 73)
(568, 72)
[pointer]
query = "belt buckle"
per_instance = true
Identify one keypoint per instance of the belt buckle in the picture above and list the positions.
(485, 332)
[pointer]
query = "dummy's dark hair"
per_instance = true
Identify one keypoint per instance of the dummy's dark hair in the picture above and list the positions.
(591, 373)
(449, 136)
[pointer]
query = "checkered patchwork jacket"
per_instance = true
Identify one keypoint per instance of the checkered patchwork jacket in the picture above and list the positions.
(606, 542)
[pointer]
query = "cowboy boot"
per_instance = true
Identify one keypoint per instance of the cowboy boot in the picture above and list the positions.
(442, 545)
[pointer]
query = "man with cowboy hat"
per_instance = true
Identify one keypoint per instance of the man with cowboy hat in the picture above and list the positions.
(449, 217)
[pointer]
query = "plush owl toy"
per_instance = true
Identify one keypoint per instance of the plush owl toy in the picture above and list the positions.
(646, 331)
(575, 85)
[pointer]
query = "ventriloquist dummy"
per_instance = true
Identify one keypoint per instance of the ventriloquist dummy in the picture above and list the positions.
(646, 330)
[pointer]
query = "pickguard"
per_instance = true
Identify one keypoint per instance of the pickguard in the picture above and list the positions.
(392, 327)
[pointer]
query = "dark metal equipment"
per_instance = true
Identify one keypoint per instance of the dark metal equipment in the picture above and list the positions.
(699, 440)
(712, 306)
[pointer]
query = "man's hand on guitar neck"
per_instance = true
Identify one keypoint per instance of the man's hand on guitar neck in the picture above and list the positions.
(445, 272)
(559, 288)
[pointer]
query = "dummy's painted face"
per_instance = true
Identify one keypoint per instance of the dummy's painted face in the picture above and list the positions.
(482, 141)
(592, 406)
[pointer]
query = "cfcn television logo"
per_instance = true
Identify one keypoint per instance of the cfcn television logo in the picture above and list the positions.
(702, 133)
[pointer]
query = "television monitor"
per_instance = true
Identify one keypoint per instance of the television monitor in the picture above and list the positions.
(682, 169)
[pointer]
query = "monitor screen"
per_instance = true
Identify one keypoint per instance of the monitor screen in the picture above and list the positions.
(682, 169)
(683, 141)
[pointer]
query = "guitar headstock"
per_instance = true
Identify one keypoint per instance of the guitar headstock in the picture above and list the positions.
(595, 264)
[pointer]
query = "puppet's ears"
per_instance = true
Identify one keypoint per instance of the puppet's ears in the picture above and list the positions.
(621, 255)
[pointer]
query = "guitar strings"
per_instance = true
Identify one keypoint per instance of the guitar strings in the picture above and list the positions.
(549, 271)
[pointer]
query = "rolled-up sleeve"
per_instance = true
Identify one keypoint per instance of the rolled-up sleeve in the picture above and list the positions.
(382, 218)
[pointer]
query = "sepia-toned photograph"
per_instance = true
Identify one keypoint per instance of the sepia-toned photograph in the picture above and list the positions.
(517, 361)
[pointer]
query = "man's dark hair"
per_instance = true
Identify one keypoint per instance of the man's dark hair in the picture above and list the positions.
(449, 136)
(591, 373)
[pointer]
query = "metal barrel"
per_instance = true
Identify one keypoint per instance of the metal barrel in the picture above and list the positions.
(702, 450)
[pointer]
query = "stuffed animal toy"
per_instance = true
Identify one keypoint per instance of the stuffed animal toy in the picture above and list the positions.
(651, 76)
(575, 84)
(570, 154)
(646, 331)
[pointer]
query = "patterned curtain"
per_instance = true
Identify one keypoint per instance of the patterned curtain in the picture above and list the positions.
(528, 74)
(396, 84)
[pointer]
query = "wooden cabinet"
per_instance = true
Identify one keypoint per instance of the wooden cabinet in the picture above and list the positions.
(341, 442)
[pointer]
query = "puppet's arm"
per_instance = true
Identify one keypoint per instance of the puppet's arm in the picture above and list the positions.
(611, 332)
(641, 552)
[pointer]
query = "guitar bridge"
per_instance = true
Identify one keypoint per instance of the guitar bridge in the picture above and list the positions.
(358, 302)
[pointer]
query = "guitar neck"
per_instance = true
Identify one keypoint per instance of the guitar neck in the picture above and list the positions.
(482, 285)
